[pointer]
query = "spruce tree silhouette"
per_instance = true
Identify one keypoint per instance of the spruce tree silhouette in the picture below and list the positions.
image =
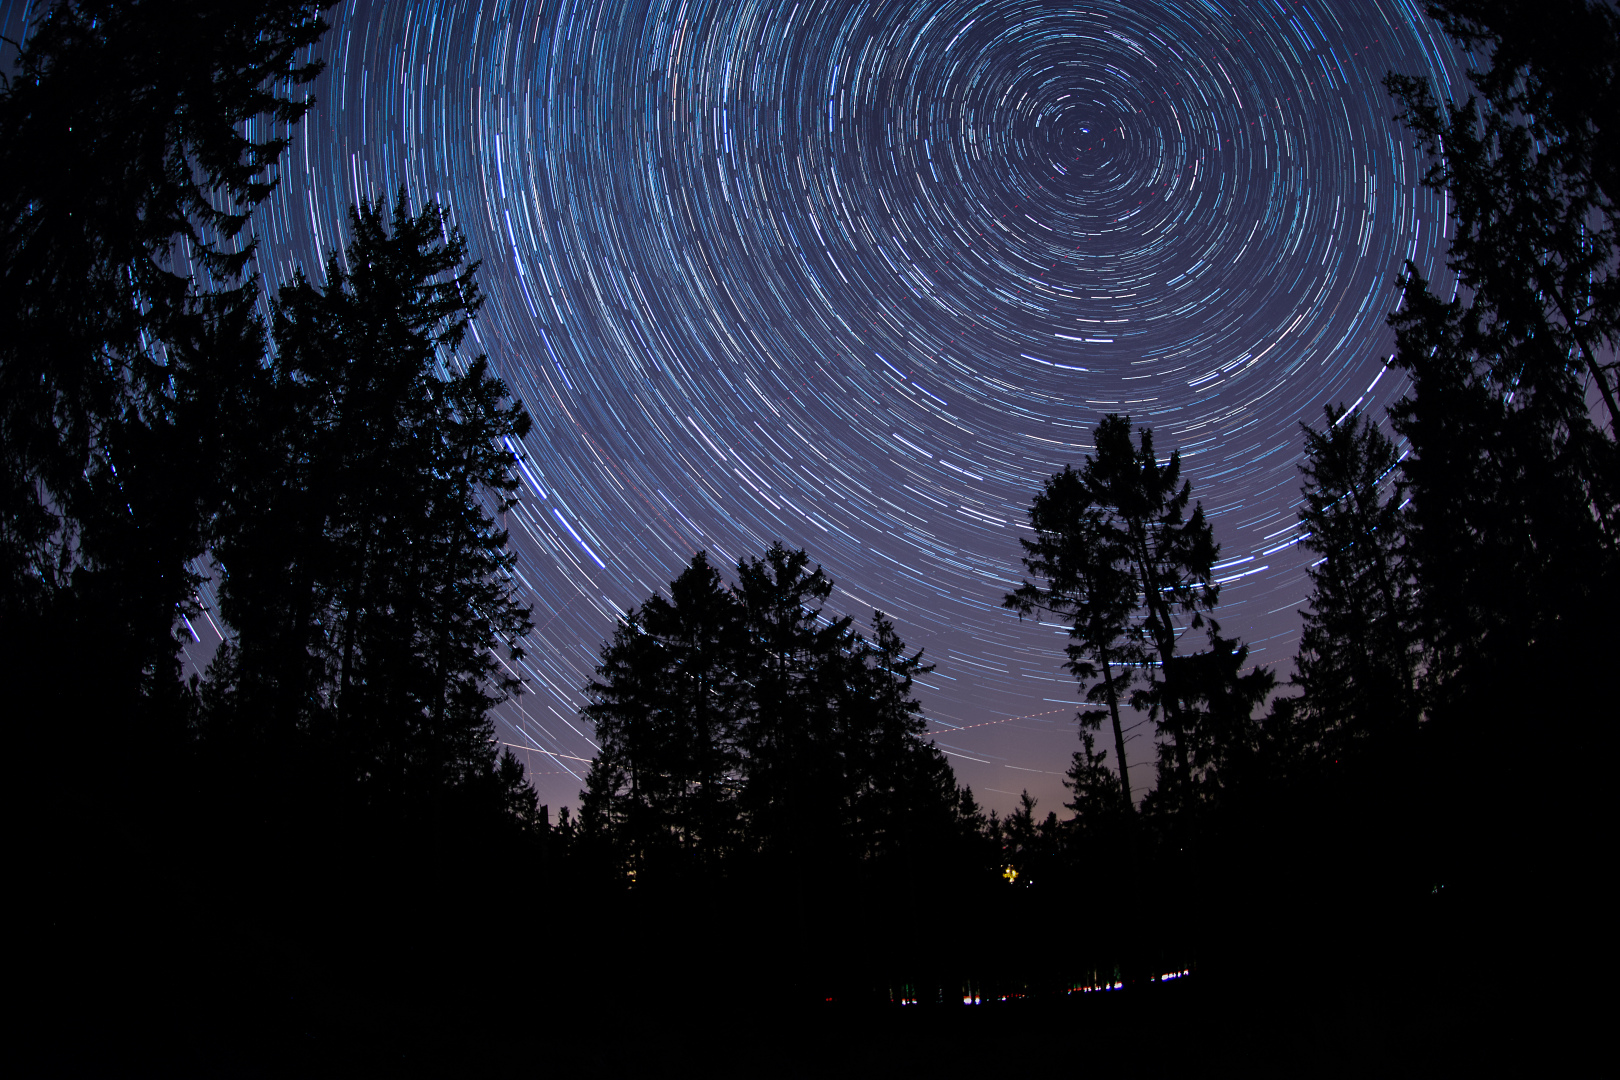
(903, 814)
(127, 176)
(1512, 475)
(361, 568)
(795, 660)
(746, 734)
(1356, 663)
(1533, 173)
(1512, 480)
(1032, 847)
(1226, 752)
(1558, 61)
(126, 180)
(668, 705)
(763, 775)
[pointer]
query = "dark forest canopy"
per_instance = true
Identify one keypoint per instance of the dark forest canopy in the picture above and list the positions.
(338, 473)
(745, 729)
(341, 472)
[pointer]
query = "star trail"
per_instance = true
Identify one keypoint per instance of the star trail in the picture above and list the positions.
(859, 276)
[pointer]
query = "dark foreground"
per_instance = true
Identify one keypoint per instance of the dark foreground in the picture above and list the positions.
(1197, 1027)
(210, 996)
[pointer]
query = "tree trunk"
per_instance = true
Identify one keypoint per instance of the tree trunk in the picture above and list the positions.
(1119, 731)
(1165, 642)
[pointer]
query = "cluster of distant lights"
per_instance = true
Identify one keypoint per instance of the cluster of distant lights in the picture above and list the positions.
(858, 277)
(907, 996)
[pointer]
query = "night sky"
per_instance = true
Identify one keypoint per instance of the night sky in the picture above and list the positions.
(859, 276)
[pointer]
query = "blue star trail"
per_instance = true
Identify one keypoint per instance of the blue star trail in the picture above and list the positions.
(859, 276)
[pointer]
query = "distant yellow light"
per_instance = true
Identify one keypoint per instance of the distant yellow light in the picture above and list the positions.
(1011, 874)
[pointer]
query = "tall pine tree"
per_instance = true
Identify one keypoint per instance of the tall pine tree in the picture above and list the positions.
(1083, 562)
(1170, 555)
(1356, 664)
(1512, 481)
(363, 576)
(127, 177)
(667, 706)
(1119, 557)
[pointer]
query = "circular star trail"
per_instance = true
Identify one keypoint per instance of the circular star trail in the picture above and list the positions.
(859, 276)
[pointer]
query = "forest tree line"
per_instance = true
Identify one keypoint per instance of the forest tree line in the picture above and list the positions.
(1465, 551)
(339, 467)
(332, 457)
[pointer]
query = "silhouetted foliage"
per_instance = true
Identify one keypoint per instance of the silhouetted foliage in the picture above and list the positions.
(1170, 560)
(906, 809)
(1356, 662)
(668, 709)
(139, 421)
(1530, 172)
(1099, 807)
(1534, 182)
(335, 786)
(1511, 481)
(1084, 561)
(1032, 848)
(798, 728)
(127, 182)
(129, 164)
(1221, 699)
(742, 730)
(1122, 561)
(361, 570)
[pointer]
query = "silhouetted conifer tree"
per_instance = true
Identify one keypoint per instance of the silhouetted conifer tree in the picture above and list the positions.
(1356, 661)
(1121, 559)
(1223, 698)
(668, 706)
(904, 810)
(1533, 172)
(743, 731)
(126, 178)
(1084, 562)
(131, 157)
(1170, 555)
(1513, 478)
(1031, 847)
(1097, 802)
(364, 578)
